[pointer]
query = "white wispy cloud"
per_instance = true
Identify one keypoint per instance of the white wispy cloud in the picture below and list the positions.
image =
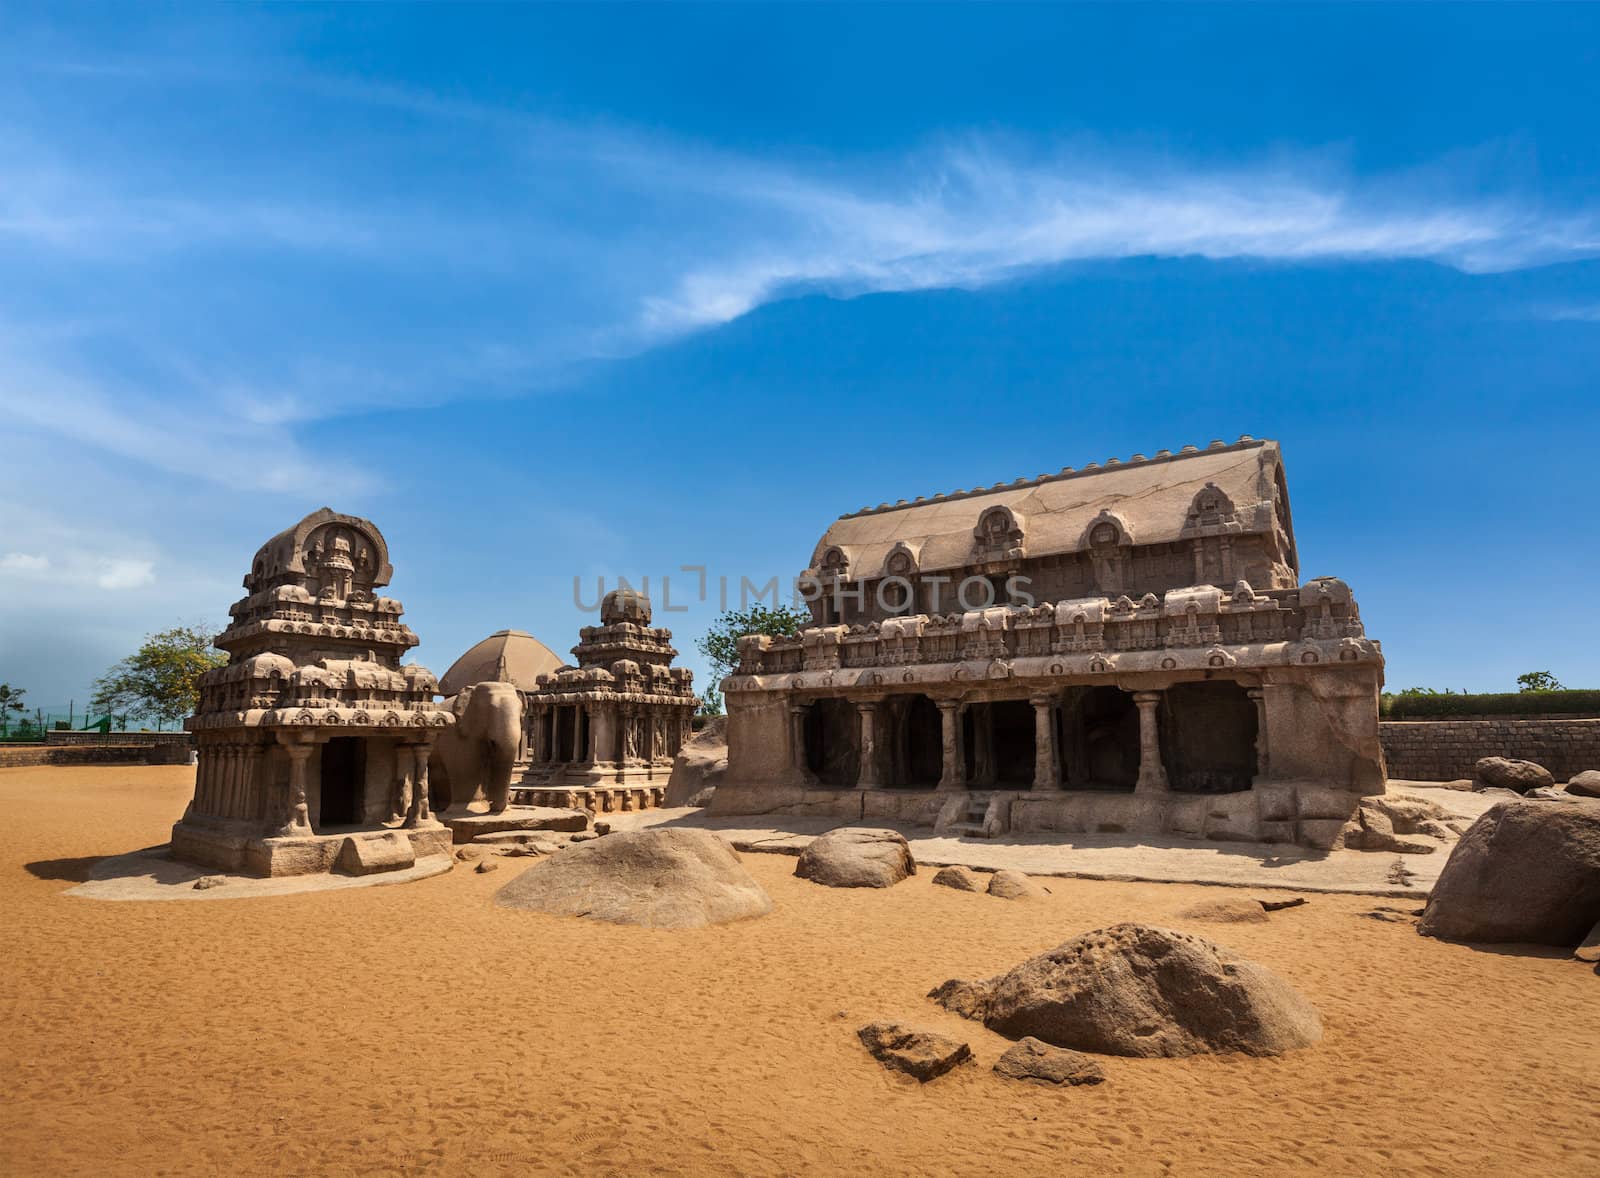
(23, 562)
(125, 574)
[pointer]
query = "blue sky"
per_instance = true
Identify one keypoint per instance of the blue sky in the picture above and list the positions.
(580, 292)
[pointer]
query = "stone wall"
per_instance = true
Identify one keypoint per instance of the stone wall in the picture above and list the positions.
(165, 753)
(1445, 750)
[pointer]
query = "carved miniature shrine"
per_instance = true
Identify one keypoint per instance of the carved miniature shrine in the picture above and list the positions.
(1126, 647)
(602, 735)
(313, 739)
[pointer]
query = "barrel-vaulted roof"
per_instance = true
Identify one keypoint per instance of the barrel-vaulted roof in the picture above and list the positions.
(1149, 500)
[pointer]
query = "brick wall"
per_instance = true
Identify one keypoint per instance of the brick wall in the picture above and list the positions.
(166, 753)
(1444, 750)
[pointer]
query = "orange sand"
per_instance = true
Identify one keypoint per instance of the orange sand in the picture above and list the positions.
(413, 1029)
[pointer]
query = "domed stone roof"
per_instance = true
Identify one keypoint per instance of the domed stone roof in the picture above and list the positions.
(625, 605)
(526, 658)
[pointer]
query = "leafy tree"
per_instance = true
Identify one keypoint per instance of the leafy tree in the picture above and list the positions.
(721, 642)
(710, 702)
(10, 701)
(1538, 681)
(160, 679)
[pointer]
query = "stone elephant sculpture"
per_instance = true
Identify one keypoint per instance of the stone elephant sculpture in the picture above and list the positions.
(473, 757)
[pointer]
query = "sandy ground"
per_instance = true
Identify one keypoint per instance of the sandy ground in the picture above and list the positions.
(420, 1029)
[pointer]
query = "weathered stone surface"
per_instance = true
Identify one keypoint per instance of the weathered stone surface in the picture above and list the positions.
(852, 857)
(702, 799)
(700, 763)
(959, 877)
(206, 882)
(1137, 990)
(1013, 885)
(1508, 773)
(963, 996)
(1585, 784)
(485, 866)
(919, 1054)
(1030, 1059)
(1280, 905)
(1524, 871)
(1589, 948)
(469, 828)
(1460, 783)
(371, 854)
(659, 878)
(1227, 911)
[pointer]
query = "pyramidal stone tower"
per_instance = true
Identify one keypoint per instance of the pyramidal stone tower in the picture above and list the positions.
(314, 739)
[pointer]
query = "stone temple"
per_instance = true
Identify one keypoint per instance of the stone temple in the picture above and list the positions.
(1127, 647)
(602, 735)
(313, 739)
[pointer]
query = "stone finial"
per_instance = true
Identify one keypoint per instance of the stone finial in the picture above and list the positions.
(625, 605)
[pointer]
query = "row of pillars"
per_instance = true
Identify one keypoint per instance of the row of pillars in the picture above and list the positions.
(1047, 760)
(627, 735)
(232, 783)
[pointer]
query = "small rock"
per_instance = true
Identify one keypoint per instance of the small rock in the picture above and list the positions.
(1547, 793)
(962, 879)
(1494, 791)
(1585, 784)
(1509, 773)
(1032, 1059)
(1013, 885)
(919, 1054)
(1280, 905)
(1589, 949)
(602, 828)
(582, 836)
(967, 998)
(206, 882)
(467, 854)
(486, 867)
(1461, 783)
(1227, 911)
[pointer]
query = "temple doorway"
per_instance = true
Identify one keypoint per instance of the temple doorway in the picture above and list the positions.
(1101, 739)
(566, 724)
(1013, 732)
(343, 778)
(833, 741)
(1208, 737)
(919, 743)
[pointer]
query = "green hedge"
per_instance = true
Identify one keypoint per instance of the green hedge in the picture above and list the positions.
(1512, 703)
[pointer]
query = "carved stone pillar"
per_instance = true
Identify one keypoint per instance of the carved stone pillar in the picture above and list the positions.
(419, 813)
(983, 764)
(870, 773)
(1152, 774)
(1046, 764)
(253, 785)
(797, 736)
(1259, 698)
(404, 785)
(953, 774)
(297, 818)
(230, 780)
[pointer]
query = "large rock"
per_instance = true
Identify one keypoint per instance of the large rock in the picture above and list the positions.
(1041, 1063)
(1133, 989)
(921, 1054)
(1585, 784)
(962, 879)
(1507, 773)
(1013, 885)
(1524, 871)
(657, 878)
(856, 858)
(699, 765)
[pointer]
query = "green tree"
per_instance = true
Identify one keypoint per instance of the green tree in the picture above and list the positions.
(10, 701)
(161, 679)
(721, 642)
(1538, 681)
(710, 702)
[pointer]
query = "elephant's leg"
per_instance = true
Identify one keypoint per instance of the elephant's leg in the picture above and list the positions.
(497, 785)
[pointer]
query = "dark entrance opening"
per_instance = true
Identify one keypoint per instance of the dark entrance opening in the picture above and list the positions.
(344, 774)
(566, 721)
(833, 741)
(1208, 737)
(1013, 729)
(1101, 739)
(918, 743)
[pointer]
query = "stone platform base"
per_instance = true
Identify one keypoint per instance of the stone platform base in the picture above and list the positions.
(598, 799)
(1308, 813)
(466, 827)
(226, 848)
